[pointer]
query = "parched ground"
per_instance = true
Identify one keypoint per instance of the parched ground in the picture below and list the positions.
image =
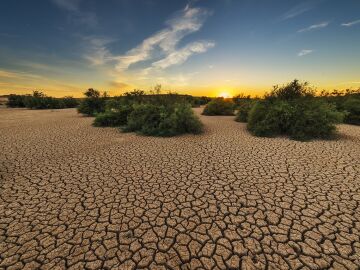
(77, 197)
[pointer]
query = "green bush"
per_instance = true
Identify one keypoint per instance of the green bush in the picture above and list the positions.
(313, 119)
(69, 102)
(150, 119)
(219, 106)
(352, 108)
(183, 120)
(93, 103)
(293, 110)
(269, 118)
(39, 100)
(16, 101)
(243, 108)
(113, 118)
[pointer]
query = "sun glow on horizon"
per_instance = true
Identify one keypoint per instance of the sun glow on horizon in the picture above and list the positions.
(224, 94)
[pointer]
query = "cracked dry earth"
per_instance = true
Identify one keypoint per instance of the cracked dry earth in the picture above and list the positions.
(78, 197)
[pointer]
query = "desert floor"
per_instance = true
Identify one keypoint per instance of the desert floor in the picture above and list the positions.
(73, 196)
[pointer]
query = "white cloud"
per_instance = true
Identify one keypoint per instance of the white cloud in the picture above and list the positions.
(185, 22)
(351, 23)
(305, 52)
(98, 53)
(165, 41)
(180, 56)
(314, 27)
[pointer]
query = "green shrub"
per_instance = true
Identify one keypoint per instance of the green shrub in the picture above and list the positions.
(150, 119)
(352, 108)
(313, 119)
(69, 102)
(293, 110)
(113, 118)
(93, 103)
(183, 120)
(243, 108)
(16, 101)
(269, 118)
(219, 106)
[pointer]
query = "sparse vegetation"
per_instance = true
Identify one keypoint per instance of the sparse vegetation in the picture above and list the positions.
(293, 110)
(93, 103)
(243, 110)
(346, 101)
(219, 106)
(154, 114)
(39, 100)
(113, 117)
(149, 119)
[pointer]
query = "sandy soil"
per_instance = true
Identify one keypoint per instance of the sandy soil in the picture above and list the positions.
(73, 196)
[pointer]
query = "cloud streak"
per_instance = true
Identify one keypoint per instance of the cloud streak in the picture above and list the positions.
(349, 24)
(180, 56)
(298, 10)
(185, 22)
(314, 27)
(161, 48)
(305, 52)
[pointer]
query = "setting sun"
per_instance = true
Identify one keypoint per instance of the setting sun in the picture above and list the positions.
(224, 95)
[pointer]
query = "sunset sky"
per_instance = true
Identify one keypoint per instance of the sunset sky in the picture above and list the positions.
(203, 47)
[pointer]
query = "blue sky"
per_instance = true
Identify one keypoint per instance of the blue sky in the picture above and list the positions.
(202, 47)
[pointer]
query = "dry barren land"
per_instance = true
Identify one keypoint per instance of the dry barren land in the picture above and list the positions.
(73, 196)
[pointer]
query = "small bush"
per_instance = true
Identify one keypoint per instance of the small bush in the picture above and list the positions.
(244, 108)
(69, 102)
(293, 110)
(352, 108)
(149, 119)
(113, 118)
(313, 119)
(16, 101)
(269, 118)
(219, 106)
(183, 120)
(93, 103)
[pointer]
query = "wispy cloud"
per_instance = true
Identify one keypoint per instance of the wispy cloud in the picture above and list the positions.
(77, 15)
(8, 74)
(314, 27)
(181, 55)
(305, 52)
(185, 22)
(299, 9)
(163, 44)
(348, 24)
(98, 54)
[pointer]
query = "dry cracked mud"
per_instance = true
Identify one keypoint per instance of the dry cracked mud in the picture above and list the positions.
(73, 196)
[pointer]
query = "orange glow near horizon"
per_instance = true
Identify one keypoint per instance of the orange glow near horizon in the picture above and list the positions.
(224, 94)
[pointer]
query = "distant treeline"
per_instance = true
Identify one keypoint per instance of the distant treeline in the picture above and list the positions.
(97, 102)
(39, 100)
